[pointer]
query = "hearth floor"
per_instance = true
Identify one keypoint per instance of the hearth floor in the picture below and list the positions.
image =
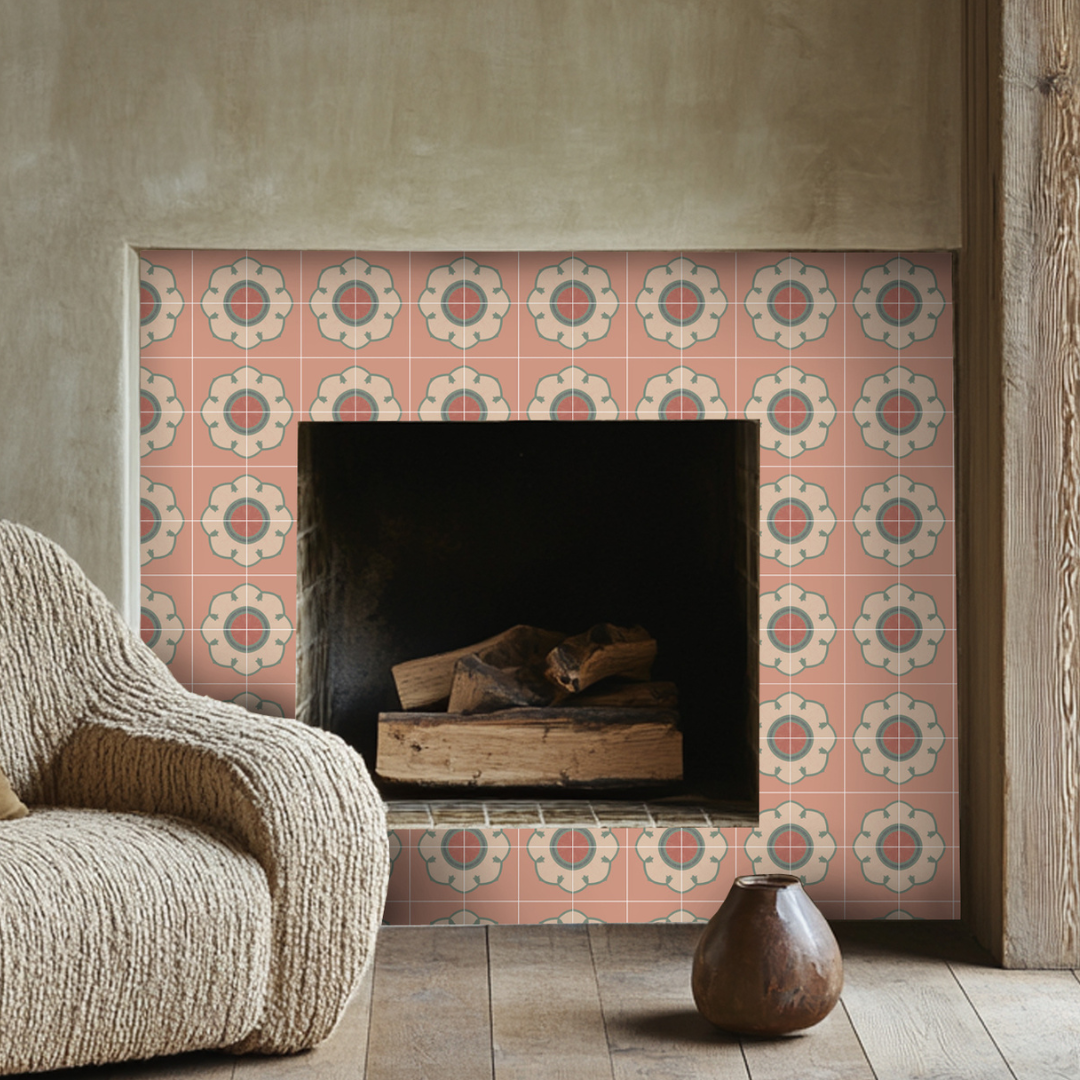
(516, 814)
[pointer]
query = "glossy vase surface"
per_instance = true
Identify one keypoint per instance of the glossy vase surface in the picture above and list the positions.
(768, 962)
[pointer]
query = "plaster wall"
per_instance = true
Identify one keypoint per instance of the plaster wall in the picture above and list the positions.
(399, 124)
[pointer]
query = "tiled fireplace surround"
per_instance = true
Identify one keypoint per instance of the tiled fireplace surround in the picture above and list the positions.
(846, 361)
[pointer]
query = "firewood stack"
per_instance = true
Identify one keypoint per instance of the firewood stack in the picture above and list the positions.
(533, 708)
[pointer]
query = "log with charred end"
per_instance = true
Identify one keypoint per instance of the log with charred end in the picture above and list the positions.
(483, 688)
(427, 680)
(601, 652)
(572, 748)
(631, 695)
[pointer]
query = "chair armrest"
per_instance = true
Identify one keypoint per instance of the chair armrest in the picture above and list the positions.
(298, 798)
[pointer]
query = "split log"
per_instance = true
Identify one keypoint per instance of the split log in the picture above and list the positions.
(482, 688)
(635, 695)
(428, 680)
(602, 651)
(557, 748)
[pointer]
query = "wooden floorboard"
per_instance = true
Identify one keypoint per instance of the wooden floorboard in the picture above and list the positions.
(1033, 1017)
(653, 1029)
(430, 1010)
(911, 1015)
(605, 1002)
(545, 1007)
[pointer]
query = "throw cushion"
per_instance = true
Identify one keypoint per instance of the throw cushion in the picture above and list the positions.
(11, 806)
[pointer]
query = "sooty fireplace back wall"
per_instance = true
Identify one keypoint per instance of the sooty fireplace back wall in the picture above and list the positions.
(416, 539)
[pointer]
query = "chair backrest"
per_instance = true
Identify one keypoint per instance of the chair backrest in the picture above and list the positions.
(57, 635)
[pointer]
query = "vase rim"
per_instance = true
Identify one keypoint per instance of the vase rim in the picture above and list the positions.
(767, 881)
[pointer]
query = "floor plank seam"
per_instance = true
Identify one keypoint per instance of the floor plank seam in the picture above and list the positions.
(370, 1014)
(745, 1063)
(989, 1033)
(858, 1038)
(491, 999)
(600, 998)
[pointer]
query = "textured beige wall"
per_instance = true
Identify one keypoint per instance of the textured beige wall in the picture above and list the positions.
(422, 124)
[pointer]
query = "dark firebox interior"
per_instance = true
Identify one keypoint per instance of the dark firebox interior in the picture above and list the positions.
(420, 538)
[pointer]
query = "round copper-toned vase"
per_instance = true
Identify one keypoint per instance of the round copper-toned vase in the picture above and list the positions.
(767, 963)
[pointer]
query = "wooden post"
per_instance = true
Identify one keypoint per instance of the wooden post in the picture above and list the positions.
(1018, 479)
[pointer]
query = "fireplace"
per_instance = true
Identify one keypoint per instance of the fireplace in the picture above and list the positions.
(842, 735)
(416, 539)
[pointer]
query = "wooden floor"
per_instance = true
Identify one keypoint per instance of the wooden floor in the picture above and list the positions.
(551, 1002)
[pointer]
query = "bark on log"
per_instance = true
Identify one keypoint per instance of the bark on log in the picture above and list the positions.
(602, 651)
(481, 688)
(427, 680)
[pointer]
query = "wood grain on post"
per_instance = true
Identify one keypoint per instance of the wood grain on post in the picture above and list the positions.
(1018, 479)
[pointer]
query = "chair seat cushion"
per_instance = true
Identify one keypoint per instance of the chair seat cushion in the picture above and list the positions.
(125, 936)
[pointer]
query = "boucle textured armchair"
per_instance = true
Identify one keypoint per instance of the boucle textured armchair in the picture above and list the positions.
(189, 876)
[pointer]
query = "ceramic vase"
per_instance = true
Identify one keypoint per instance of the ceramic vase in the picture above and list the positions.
(767, 963)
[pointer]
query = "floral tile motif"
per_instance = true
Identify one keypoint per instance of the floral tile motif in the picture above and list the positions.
(845, 362)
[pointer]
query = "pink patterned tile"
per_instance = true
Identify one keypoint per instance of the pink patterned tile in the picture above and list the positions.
(681, 387)
(790, 305)
(900, 846)
(901, 519)
(352, 387)
(355, 304)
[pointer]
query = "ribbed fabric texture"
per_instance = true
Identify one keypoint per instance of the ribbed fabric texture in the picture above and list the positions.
(90, 718)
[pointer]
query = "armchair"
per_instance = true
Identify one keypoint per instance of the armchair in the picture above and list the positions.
(189, 876)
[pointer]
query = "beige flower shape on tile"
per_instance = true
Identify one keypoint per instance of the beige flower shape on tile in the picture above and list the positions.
(464, 303)
(257, 705)
(572, 303)
(796, 629)
(682, 394)
(246, 629)
(247, 412)
(899, 303)
(681, 303)
(795, 411)
(246, 303)
(160, 520)
(572, 858)
(572, 917)
(573, 394)
(247, 520)
(355, 303)
(160, 411)
(796, 738)
(354, 395)
(160, 303)
(899, 412)
(682, 858)
(463, 859)
(395, 846)
(791, 839)
(159, 624)
(899, 738)
(790, 303)
(680, 916)
(463, 394)
(899, 846)
(464, 918)
(796, 520)
(899, 629)
(899, 520)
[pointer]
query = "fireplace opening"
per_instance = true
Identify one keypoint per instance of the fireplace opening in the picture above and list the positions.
(417, 539)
